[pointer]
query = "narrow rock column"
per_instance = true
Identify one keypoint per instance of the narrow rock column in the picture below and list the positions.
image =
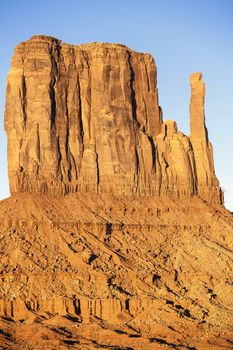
(207, 183)
(197, 112)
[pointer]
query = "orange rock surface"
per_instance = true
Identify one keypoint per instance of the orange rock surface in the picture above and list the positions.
(96, 271)
(86, 119)
(115, 235)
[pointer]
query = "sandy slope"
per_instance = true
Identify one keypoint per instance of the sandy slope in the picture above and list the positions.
(86, 272)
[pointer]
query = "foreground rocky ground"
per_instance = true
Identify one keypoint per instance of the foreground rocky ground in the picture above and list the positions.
(88, 271)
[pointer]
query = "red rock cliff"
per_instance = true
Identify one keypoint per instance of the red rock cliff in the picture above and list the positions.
(86, 118)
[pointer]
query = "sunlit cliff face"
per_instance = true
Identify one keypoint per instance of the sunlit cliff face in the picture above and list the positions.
(87, 119)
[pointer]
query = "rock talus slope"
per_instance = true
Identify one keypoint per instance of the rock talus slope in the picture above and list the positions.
(115, 235)
(86, 119)
(93, 271)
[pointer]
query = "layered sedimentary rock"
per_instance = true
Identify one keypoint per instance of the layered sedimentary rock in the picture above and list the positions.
(135, 270)
(142, 272)
(87, 119)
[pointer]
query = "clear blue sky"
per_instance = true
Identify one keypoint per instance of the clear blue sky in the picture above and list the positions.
(183, 35)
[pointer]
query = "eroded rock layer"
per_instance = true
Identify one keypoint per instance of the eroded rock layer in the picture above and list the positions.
(86, 119)
(86, 271)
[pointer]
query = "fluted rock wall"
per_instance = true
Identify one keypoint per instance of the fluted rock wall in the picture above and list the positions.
(86, 118)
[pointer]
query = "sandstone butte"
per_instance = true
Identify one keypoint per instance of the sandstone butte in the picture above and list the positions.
(115, 235)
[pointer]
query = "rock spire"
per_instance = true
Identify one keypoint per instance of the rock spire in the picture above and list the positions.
(202, 148)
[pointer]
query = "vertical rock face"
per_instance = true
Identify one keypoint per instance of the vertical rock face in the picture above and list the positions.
(86, 118)
(81, 118)
(175, 162)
